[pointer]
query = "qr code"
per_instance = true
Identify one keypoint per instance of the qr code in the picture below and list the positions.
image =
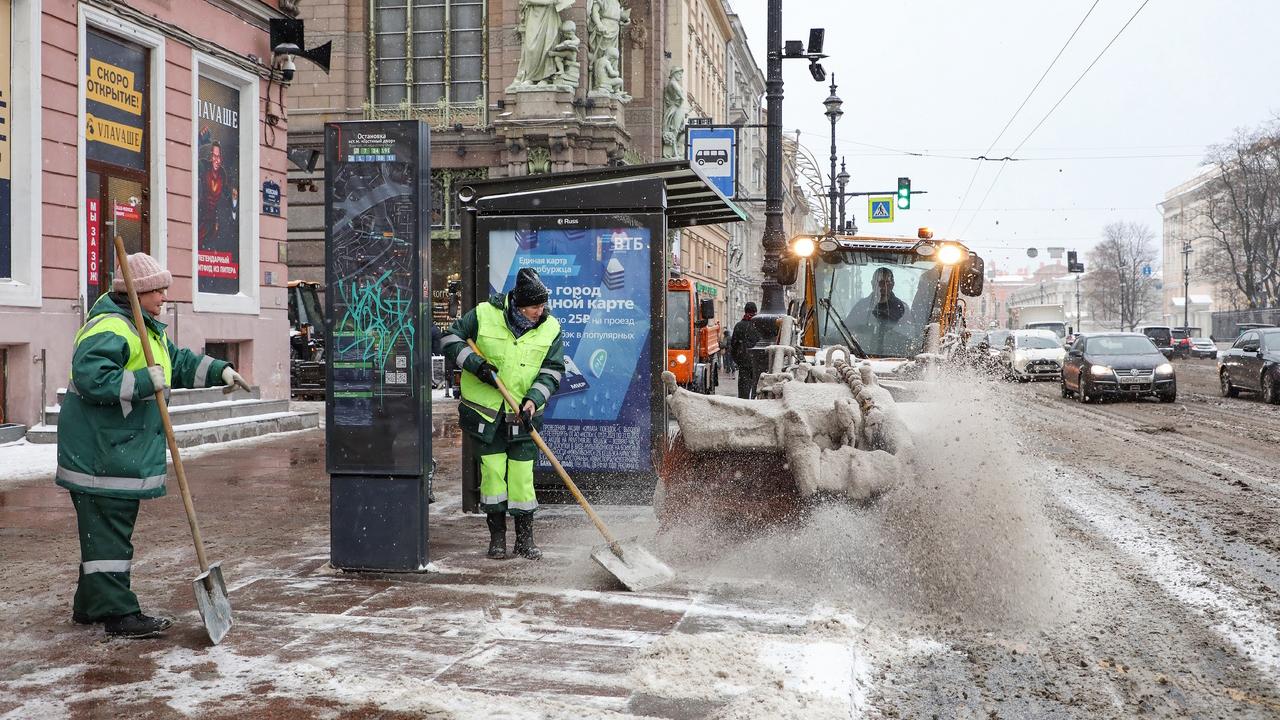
(402, 362)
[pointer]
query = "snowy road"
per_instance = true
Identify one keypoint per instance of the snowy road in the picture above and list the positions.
(1048, 559)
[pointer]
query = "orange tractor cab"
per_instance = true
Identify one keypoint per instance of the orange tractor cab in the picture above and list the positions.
(693, 337)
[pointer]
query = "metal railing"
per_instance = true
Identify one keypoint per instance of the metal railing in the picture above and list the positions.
(440, 115)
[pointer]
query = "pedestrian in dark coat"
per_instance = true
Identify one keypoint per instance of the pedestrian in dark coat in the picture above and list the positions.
(745, 337)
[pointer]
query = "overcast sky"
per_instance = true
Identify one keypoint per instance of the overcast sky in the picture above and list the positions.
(942, 77)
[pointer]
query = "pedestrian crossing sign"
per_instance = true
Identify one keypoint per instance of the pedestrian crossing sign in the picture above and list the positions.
(880, 209)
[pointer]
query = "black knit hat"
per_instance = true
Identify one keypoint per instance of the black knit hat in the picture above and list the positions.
(750, 307)
(529, 289)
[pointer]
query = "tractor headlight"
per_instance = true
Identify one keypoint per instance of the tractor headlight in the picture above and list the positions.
(950, 254)
(682, 359)
(1099, 370)
(803, 246)
(1164, 370)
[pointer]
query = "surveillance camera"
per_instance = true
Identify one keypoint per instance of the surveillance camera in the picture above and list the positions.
(284, 53)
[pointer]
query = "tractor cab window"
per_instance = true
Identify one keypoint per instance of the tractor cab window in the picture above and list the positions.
(678, 320)
(885, 300)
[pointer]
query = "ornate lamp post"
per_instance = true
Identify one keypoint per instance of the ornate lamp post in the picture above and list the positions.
(833, 113)
(841, 181)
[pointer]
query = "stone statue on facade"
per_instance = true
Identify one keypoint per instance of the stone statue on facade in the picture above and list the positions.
(605, 21)
(540, 33)
(676, 108)
(565, 57)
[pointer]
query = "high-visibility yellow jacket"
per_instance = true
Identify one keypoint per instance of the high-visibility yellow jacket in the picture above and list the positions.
(110, 438)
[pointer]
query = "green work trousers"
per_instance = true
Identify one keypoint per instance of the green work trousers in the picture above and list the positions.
(106, 554)
(506, 471)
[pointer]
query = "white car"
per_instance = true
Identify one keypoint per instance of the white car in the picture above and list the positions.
(1034, 355)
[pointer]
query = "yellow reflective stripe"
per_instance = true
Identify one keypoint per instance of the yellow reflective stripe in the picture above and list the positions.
(105, 482)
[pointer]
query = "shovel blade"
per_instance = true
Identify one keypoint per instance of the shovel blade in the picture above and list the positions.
(212, 601)
(634, 566)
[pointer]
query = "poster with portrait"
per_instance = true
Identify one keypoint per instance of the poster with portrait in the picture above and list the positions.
(218, 187)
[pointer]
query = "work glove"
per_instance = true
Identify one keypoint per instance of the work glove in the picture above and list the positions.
(488, 373)
(233, 380)
(526, 416)
(157, 377)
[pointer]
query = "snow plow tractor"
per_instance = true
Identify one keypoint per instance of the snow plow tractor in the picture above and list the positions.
(873, 317)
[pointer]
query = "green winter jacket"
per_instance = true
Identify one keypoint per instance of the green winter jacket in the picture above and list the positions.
(531, 365)
(110, 438)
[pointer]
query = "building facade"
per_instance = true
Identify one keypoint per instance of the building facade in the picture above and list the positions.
(746, 93)
(593, 99)
(159, 123)
(1185, 244)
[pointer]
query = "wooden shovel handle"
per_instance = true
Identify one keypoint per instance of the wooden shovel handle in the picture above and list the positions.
(564, 476)
(123, 258)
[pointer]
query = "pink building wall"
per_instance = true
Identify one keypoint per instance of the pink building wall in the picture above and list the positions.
(25, 331)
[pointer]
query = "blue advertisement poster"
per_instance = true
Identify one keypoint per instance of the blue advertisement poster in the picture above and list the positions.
(599, 282)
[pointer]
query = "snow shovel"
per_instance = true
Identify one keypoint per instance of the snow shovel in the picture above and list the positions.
(209, 587)
(634, 566)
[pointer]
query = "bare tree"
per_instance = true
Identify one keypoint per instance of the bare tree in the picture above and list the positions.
(1241, 217)
(1116, 289)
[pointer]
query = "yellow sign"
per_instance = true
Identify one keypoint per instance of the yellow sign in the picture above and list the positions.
(113, 133)
(880, 209)
(111, 85)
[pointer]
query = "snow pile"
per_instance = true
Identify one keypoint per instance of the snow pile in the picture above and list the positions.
(754, 675)
(838, 429)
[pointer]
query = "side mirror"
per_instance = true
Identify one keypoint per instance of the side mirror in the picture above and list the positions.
(972, 276)
(707, 309)
(1075, 353)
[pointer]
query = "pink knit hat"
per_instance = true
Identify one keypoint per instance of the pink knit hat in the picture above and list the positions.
(147, 275)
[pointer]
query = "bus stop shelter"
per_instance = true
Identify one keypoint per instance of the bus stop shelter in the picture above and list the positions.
(600, 240)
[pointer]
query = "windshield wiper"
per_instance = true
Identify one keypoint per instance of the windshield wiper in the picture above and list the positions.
(845, 332)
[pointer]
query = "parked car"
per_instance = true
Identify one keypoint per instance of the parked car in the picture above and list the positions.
(995, 341)
(1033, 355)
(1162, 336)
(1203, 348)
(1252, 364)
(1117, 364)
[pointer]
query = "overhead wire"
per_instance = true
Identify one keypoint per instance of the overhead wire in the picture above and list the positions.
(1050, 112)
(977, 168)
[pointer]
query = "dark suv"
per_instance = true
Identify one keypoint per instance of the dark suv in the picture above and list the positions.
(1253, 364)
(1117, 365)
(1162, 336)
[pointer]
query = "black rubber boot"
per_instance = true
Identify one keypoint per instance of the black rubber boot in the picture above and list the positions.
(137, 625)
(524, 538)
(497, 536)
(81, 619)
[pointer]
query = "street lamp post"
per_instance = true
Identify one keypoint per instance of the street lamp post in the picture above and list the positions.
(1186, 285)
(833, 113)
(773, 241)
(841, 181)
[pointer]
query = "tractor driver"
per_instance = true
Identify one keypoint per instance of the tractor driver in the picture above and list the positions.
(874, 319)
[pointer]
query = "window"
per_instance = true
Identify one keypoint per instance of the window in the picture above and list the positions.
(225, 193)
(428, 51)
(21, 242)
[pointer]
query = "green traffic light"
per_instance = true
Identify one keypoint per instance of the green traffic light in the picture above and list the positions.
(904, 193)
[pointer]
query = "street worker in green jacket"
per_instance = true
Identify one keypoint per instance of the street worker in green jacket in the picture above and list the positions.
(111, 443)
(521, 343)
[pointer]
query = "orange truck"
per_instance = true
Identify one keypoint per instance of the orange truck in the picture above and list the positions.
(693, 337)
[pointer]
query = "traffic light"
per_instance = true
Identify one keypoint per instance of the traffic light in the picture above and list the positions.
(1072, 265)
(904, 193)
